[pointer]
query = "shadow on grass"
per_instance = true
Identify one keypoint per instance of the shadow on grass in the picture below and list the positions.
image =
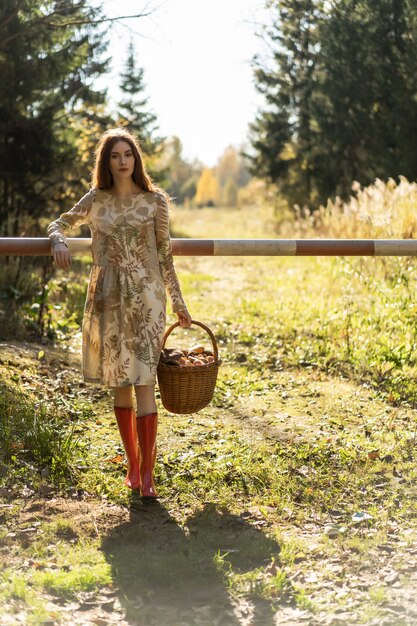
(166, 574)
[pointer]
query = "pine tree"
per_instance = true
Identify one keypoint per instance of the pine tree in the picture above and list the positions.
(283, 133)
(133, 110)
(48, 60)
(367, 111)
(340, 96)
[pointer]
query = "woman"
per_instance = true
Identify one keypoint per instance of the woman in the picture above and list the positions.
(124, 316)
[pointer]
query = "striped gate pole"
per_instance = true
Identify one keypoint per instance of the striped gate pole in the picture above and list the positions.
(27, 246)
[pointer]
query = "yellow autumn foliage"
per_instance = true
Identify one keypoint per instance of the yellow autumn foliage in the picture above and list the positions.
(208, 189)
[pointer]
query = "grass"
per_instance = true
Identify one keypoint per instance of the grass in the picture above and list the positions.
(313, 421)
(50, 567)
(32, 431)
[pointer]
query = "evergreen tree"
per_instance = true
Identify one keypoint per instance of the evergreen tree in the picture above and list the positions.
(134, 109)
(340, 96)
(366, 107)
(283, 133)
(48, 60)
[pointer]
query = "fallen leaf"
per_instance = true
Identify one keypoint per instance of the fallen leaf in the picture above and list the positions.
(116, 459)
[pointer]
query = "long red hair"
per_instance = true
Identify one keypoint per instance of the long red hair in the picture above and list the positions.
(102, 177)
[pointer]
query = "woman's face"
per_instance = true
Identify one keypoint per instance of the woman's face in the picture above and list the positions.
(122, 161)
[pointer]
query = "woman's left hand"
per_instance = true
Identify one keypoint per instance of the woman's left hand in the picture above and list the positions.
(184, 318)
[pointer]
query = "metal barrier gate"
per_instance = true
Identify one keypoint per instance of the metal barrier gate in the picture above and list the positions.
(36, 246)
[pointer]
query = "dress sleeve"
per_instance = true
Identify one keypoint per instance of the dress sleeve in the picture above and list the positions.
(76, 216)
(166, 263)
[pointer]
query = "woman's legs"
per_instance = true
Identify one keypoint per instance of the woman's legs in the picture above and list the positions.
(123, 396)
(147, 426)
(145, 399)
(126, 422)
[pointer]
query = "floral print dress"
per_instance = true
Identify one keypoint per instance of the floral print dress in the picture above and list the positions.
(124, 315)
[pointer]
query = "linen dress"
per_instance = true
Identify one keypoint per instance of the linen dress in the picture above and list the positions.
(125, 309)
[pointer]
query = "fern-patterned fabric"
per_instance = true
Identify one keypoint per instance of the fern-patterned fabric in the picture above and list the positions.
(124, 316)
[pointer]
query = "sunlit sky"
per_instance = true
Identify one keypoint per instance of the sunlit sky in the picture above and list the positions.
(196, 55)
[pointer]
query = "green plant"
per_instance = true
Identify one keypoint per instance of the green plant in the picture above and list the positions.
(33, 431)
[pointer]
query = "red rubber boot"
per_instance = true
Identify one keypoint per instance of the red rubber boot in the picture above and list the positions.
(147, 426)
(127, 427)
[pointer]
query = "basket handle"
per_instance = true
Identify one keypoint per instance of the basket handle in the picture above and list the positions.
(204, 327)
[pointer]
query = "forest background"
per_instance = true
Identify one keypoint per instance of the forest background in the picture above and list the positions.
(339, 88)
(340, 108)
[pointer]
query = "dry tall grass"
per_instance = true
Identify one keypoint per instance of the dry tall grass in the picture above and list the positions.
(382, 210)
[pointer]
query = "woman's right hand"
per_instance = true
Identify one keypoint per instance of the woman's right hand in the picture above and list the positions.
(62, 256)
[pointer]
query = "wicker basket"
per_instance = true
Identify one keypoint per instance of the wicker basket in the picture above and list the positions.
(188, 389)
